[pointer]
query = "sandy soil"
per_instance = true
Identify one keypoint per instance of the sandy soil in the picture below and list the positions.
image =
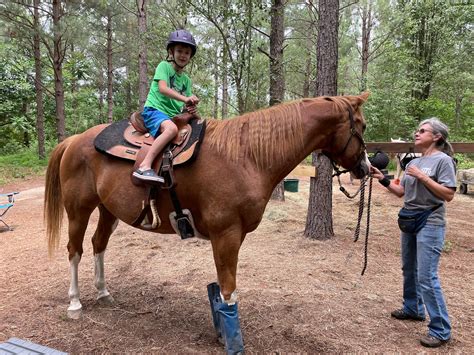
(295, 294)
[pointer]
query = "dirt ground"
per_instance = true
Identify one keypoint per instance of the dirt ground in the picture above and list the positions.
(295, 295)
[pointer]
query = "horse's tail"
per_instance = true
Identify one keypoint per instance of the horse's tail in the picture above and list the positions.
(53, 202)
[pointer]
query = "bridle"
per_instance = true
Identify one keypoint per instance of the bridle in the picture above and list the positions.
(353, 133)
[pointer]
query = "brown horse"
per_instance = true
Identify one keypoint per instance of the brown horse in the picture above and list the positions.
(226, 188)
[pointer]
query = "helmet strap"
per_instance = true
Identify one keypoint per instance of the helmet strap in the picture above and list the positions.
(171, 60)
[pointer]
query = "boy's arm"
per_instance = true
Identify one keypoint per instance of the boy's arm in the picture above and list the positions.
(165, 90)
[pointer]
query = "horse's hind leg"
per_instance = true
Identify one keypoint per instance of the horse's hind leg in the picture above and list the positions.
(107, 224)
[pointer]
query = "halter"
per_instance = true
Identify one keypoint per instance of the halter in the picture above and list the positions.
(361, 189)
(353, 132)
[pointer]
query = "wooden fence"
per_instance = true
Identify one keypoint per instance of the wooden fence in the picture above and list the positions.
(389, 147)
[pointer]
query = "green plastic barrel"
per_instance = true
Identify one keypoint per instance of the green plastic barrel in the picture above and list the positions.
(291, 185)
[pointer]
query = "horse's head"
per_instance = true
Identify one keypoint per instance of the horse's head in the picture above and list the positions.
(347, 148)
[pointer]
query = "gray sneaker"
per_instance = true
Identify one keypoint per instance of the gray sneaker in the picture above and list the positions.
(148, 176)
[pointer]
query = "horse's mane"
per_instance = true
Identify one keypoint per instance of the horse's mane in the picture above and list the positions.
(266, 135)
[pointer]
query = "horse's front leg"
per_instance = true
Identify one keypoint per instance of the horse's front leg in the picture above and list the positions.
(223, 297)
(105, 227)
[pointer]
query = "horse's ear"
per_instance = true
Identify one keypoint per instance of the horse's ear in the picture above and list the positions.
(358, 100)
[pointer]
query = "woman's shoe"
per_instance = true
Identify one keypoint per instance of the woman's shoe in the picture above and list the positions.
(401, 314)
(430, 341)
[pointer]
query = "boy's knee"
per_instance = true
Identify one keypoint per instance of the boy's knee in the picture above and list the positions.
(173, 129)
(168, 127)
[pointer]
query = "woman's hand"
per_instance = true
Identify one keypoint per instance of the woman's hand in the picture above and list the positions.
(446, 193)
(376, 173)
(416, 173)
(397, 190)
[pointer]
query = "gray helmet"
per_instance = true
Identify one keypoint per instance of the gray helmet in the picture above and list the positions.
(182, 37)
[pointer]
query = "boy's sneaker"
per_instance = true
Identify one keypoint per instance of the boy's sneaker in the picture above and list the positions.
(401, 314)
(430, 341)
(148, 176)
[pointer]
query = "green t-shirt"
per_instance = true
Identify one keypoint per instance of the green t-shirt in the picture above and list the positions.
(178, 82)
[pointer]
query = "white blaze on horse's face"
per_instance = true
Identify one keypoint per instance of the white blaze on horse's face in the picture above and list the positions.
(366, 160)
(364, 166)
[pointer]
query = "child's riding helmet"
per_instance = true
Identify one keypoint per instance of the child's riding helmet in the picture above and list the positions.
(182, 37)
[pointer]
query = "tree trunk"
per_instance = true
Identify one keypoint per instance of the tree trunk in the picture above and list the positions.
(225, 86)
(58, 56)
(277, 76)
(457, 110)
(319, 218)
(327, 54)
(38, 83)
(142, 55)
(128, 91)
(309, 59)
(215, 106)
(110, 70)
(366, 30)
(26, 133)
(128, 82)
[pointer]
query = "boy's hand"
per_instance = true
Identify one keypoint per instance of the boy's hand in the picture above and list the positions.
(191, 109)
(191, 100)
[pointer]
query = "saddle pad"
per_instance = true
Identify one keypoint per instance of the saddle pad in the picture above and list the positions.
(111, 139)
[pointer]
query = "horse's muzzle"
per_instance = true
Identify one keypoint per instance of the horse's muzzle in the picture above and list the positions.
(362, 167)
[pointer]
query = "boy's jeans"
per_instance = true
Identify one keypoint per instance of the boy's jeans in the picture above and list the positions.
(420, 260)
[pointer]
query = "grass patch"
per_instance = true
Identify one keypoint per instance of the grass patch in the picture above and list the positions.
(20, 166)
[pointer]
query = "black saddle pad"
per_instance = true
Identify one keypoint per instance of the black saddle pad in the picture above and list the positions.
(111, 136)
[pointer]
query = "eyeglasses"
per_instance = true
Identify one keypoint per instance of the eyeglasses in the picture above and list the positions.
(422, 130)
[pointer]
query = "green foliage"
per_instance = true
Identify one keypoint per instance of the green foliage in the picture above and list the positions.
(21, 165)
(464, 161)
(16, 91)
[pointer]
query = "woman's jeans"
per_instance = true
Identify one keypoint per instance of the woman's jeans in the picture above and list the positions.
(420, 260)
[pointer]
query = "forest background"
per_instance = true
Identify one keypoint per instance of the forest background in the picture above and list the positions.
(68, 65)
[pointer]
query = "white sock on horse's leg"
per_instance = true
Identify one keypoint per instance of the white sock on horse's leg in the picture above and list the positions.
(100, 276)
(74, 303)
(232, 300)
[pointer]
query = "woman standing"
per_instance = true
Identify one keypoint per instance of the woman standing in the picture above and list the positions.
(428, 183)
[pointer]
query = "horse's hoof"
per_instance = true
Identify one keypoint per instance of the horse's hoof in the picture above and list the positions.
(106, 300)
(74, 314)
